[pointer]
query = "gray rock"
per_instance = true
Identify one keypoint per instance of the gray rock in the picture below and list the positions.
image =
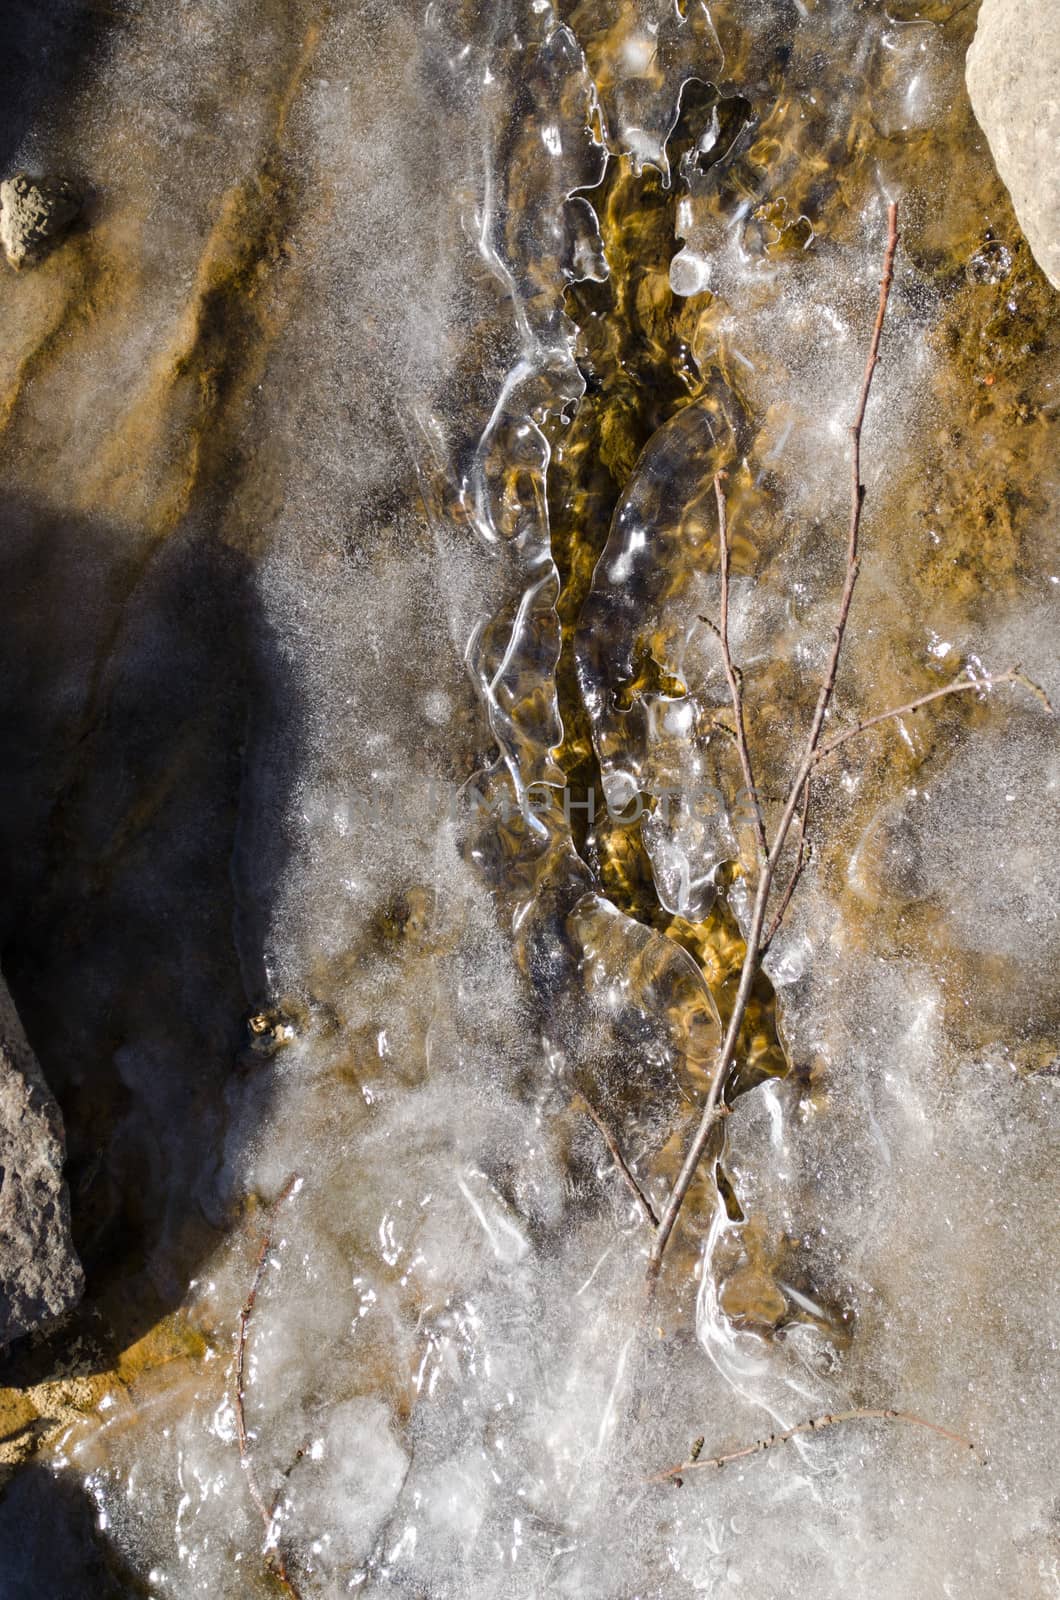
(34, 214)
(1013, 75)
(40, 1275)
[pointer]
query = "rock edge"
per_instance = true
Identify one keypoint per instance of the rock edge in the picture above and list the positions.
(40, 1275)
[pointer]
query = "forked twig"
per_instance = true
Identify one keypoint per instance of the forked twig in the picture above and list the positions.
(752, 957)
(963, 685)
(646, 1207)
(815, 752)
(275, 1561)
(698, 1463)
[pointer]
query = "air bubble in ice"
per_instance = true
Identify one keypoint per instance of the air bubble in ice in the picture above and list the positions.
(689, 273)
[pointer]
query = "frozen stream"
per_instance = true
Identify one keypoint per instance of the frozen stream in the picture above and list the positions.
(358, 534)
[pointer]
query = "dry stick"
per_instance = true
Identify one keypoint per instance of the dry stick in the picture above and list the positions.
(802, 855)
(857, 501)
(299, 1455)
(983, 685)
(619, 1159)
(813, 1425)
(958, 686)
(276, 1561)
(731, 671)
(752, 955)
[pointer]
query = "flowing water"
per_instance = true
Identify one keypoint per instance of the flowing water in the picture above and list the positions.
(370, 807)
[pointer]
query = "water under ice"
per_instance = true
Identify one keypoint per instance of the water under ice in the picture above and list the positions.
(359, 527)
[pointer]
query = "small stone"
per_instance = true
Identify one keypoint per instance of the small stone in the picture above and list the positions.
(40, 1275)
(750, 1299)
(34, 215)
(1012, 73)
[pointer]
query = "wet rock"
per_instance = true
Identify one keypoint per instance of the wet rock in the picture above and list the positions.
(34, 215)
(40, 1275)
(1012, 73)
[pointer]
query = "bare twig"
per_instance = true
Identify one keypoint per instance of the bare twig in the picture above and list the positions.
(857, 502)
(963, 685)
(646, 1207)
(752, 956)
(1017, 676)
(719, 722)
(697, 1463)
(299, 1455)
(732, 672)
(275, 1561)
(802, 855)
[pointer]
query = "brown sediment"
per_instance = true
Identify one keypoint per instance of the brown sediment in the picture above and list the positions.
(179, 449)
(189, 418)
(85, 281)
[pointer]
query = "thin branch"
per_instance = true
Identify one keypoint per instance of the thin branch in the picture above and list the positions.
(857, 502)
(281, 1488)
(731, 671)
(963, 685)
(275, 1560)
(752, 956)
(619, 1159)
(802, 855)
(697, 1463)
